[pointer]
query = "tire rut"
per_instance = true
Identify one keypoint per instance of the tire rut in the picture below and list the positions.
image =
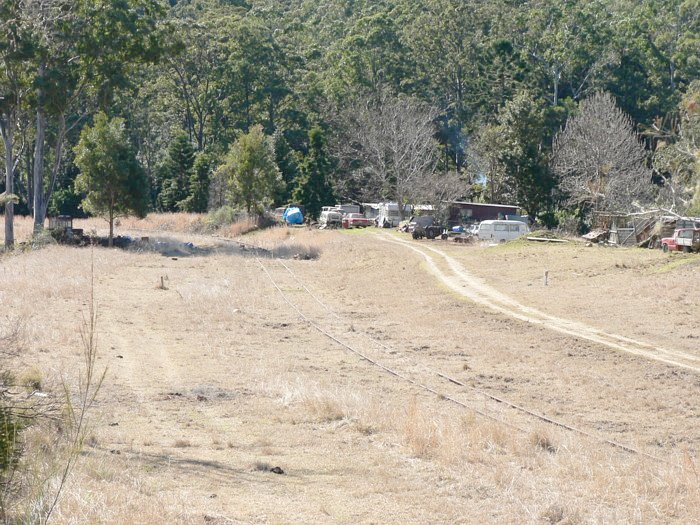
(465, 284)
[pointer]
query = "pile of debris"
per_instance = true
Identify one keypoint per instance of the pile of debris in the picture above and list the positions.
(644, 230)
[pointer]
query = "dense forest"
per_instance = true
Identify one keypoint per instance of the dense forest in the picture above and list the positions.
(562, 107)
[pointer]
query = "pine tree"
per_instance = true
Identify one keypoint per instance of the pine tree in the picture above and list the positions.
(176, 174)
(198, 190)
(288, 165)
(114, 183)
(313, 190)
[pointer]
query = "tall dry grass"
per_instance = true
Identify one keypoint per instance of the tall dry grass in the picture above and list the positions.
(23, 228)
(49, 419)
(549, 475)
(158, 222)
(290, 242)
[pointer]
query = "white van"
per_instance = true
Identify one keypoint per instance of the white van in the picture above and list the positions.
(501, 231)
(330, 218)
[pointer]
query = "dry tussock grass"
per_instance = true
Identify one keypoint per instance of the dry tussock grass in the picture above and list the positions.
(238, 228)
(286, 242)
(106, 490)
(173, 222)
(23, 228)
(553, 475)
(54, 275)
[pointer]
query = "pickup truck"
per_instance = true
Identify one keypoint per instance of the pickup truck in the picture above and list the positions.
(356, 220)
(684, 239)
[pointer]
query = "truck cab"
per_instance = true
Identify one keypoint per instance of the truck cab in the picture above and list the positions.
(684, 239)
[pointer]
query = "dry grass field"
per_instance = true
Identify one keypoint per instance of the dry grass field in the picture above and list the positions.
(328, 369)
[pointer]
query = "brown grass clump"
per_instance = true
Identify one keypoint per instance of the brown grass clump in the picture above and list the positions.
(238, 228)
(542, 440)
(261, 466)
(287, 243)
(420, 433)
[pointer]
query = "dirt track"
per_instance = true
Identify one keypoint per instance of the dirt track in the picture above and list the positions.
(463, 283)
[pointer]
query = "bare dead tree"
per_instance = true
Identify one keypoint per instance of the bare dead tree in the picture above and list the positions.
(387, 145)
(599, 158)
(440, 189)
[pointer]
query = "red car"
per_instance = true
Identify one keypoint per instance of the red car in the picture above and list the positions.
(356, 220)
(684, 239)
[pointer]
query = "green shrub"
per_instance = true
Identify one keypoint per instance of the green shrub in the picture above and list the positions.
(224, 216)
(31, 379)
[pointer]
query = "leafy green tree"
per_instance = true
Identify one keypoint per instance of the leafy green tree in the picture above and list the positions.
(250, 169)
(660, 40)
(72, 71)
(111, 178)
(314, 190)
(254, 83)
(528, 136)
(446, 40)
(677, 158)
(514, 153)
(175, 174)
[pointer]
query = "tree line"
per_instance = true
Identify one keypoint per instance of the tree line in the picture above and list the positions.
(564, 108)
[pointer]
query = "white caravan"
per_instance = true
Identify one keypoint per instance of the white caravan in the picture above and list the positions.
(388, 216)
(501, 231)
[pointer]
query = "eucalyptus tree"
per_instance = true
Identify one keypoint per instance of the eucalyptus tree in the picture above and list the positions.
(370, 56)
(194, 78)
(446, 40)
(84, 52)
(15, 48)
(677, 157)
(568, 45)
(254, 83)
(658, 50)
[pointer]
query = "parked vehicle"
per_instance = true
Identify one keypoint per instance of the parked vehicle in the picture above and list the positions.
(348, 208)
(330, 218)
(421, 221)
(501, 231)
(388, 214)
(356, 220)
(684, 239)
(432, 230)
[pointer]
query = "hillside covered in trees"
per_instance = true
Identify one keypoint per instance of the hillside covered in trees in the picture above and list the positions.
(561, 107)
